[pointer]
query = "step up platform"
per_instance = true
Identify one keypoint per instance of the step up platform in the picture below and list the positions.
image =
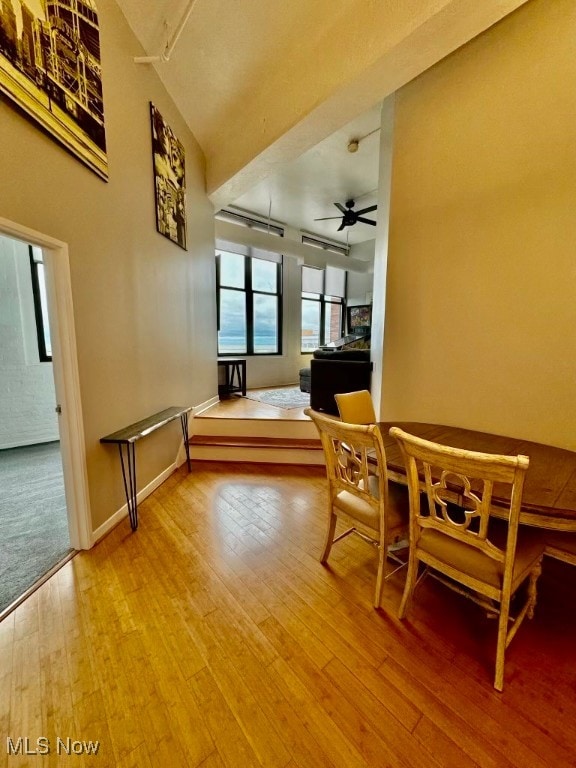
(258, 449)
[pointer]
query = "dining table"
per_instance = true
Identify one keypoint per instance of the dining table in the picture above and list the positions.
(549, 495)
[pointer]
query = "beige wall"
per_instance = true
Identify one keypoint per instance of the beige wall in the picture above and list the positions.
(481, 296)
(144, 308)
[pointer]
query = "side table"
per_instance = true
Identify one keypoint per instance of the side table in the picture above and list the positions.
(126, 439)
(235, 377)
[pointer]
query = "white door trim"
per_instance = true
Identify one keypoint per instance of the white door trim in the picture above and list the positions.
(66, 377)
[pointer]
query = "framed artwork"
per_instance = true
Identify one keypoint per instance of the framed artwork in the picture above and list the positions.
(169, 180)
(359, 317)
(50, 70)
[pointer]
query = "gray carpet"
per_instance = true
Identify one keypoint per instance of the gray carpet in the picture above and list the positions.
(33, 522)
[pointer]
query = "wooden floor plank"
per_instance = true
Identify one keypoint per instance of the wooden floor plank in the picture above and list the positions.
(213, 637)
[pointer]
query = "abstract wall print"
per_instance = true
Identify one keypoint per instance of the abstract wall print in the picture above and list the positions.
(50, 69)
(169, 180)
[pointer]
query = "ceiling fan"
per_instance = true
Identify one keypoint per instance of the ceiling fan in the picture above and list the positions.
(350, 216)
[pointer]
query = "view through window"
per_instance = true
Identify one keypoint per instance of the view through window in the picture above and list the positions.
(40, 304)
(323, 292)
(249, 303)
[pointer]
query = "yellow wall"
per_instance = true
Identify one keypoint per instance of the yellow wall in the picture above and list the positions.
(481, 295)
(144, 308)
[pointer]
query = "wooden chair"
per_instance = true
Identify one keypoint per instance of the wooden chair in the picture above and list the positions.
(356, 407)
(561, 546)
(455, 535)
(376, 511)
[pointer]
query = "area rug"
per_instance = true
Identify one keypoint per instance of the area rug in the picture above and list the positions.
(287, 397)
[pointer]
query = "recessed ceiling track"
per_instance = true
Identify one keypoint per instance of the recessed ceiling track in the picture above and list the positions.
(171, 42)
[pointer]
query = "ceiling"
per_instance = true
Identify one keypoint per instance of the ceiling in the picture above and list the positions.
(266, 88)
(308, 187)
(238, 54)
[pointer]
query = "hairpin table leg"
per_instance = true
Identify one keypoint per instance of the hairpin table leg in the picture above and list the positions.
(184, 422)
(130, 481)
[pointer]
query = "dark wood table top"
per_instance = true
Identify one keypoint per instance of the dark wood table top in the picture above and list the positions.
(142, 428)
(549, 498)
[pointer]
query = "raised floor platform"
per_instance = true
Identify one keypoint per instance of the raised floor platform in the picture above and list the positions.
(242, 429)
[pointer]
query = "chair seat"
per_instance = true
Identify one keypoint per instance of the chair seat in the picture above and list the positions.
(396, 511)
(465, 558)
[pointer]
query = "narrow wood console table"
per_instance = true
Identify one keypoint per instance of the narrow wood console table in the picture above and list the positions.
(126, 439)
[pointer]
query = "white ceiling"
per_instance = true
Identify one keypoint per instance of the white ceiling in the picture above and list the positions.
(308, 187)
(260, 83)
(205, 73)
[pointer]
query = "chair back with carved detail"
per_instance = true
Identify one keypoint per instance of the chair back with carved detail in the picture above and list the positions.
(356, 495)
(356, 407)
(454, 532)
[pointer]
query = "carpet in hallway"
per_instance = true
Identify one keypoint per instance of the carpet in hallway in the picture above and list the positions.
(33, 521)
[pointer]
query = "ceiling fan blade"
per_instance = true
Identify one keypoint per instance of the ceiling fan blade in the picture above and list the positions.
(367, 210)
(327, 218)
(341, 227)
(340, 207)
(366, 221)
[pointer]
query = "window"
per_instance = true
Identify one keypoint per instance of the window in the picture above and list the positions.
(40, 304)
(249, 302)
(323, 292)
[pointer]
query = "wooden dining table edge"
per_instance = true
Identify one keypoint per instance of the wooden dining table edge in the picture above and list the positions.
(547, 517)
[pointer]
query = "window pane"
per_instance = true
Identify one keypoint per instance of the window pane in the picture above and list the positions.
(231, 269)
(265, 324)
(335, 282)
(264, 274)
(310, 325)
(44, 309)
(332, 322)
(312, 280)
(232, 333)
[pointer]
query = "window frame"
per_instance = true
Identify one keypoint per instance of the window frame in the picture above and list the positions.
(323, 301)
(41, 334)
(249, 293)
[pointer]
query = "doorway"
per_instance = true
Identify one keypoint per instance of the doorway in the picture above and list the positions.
(60, 444)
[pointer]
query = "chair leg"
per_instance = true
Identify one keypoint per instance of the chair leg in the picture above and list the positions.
(532, 595)
(329, 537)
(411, 579)
(382, 552)
(501, 645)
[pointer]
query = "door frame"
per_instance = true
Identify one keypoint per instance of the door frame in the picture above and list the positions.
(66, 377)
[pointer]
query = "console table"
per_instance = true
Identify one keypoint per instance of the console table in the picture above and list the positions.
(235, 375)
(126, 439)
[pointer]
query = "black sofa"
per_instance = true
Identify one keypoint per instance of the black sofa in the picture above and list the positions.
(332, 372)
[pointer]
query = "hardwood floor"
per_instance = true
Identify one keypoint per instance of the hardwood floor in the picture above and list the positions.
(213, 637)
(236, 407)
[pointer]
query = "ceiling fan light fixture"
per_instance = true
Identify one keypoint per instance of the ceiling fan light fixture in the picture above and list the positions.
(349, 216)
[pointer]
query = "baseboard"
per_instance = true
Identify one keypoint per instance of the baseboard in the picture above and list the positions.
(205, 405)
(197, 409)
(118, 516)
